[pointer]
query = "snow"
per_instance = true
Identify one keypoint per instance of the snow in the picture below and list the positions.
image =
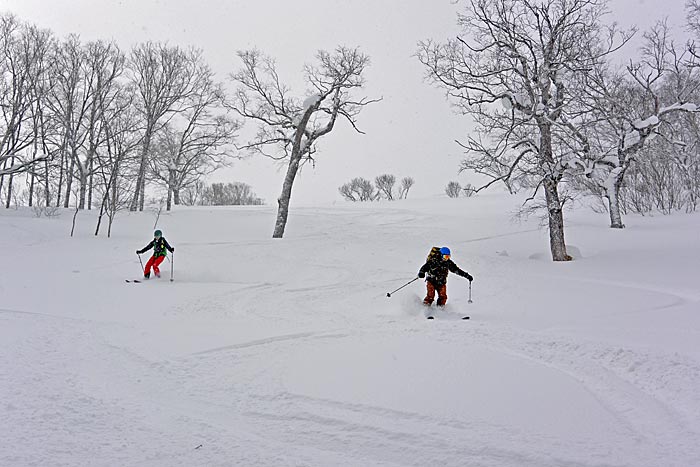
(288, 352)
(506, 102)
(631, 138)
(311, 101)
(687, 107)
(522, 99)
(647, 122)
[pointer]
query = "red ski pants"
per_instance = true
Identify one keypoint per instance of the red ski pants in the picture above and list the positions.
(154, 262)
(442, 294)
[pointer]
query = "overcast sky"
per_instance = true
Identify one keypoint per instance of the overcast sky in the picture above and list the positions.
(410, 133)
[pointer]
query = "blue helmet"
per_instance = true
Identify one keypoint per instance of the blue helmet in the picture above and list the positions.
(445, 251)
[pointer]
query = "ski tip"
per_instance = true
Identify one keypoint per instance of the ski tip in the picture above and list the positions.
(431, 317)
(466, 317)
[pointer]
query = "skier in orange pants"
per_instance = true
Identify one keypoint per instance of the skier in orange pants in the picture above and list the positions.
(437, 268)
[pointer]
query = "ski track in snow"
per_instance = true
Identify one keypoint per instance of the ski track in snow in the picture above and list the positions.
(114, 386)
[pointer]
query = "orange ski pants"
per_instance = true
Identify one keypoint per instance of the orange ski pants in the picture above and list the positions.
(442, 294)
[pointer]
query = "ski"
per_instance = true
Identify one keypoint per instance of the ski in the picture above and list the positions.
(432, 317)
(133, 280)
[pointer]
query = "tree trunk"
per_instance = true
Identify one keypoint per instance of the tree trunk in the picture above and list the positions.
(114, 181)
(557, 244)
(176, 196)
(2, 178)
(283, 200)
(91, 182)
(137, 200)
(31, 189)
(171, 182)
(35, 151)
(551, 190)
(47, 189)
(9, 185)
(612, 193)
(295, 159)
(69, 180)
(83, 190)
(75, 215)
(60, 179)
(102, 210)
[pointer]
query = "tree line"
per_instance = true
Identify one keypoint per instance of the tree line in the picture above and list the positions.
(94, 125)
(384, 187)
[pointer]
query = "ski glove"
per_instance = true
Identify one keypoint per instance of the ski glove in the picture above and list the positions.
(172, 250)
(138, 252)
(421, 275)
(469, 277)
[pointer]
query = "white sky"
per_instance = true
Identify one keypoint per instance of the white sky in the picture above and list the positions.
(410, 133)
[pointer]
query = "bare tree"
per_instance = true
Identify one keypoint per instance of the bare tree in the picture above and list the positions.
(288, 129)
(453, 189)
(229, 194)
(385, 186)
(358, 189)
(192, 194)
(406, 184)
(22, 68)
(165, 77)
(105, 64)
(117, 162)
(69, 104)
(532, 57)
(628, 108)
(196, 143)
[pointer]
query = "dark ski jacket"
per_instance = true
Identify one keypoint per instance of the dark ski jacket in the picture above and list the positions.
(436, 271)
(159, 246)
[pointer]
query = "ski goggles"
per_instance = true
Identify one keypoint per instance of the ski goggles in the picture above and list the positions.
(445, 257)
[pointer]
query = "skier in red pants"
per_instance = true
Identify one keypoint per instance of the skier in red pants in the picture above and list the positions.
(159, 245)
(436, 268)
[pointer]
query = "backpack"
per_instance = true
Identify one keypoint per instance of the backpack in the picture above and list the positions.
(434, 254)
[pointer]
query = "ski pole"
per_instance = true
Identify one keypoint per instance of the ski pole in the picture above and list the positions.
(172, 266)
(141, 262)
(470, 292)
(389, 293)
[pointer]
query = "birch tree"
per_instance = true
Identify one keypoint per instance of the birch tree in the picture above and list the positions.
(22, 67)
(118, 160)
(518, 71)
(164, 78)
(105, 64)
(196, 143)
(71, 94)
(288, 128)
(630, 107)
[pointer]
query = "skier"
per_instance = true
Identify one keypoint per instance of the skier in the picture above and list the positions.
(436, 269)
(159, 245)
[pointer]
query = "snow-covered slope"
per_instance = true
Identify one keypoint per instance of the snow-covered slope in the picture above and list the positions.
(289, 353)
